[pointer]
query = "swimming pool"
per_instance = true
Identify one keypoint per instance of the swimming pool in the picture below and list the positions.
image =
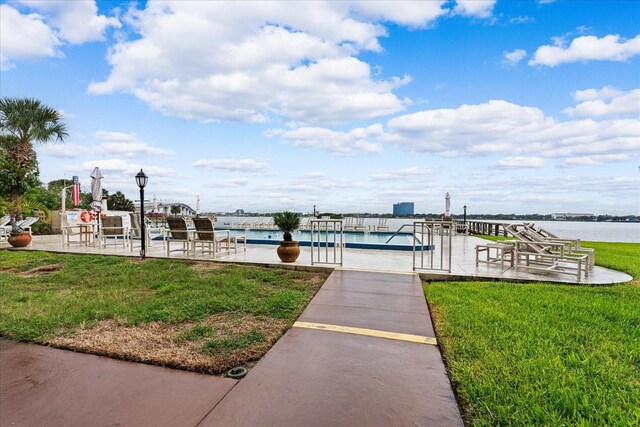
(372, 240)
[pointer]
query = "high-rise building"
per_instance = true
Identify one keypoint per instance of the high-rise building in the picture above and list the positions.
(403, 208)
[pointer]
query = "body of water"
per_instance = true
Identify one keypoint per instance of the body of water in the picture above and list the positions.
(594, 231)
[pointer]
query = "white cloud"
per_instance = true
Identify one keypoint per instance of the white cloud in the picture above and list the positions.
(499, 126)
(121, 168)
(521, 20)
(65, 151)
(409, 13)
(128, 145)
(355, 142)
(410, 173)
(587, 48)
(24, 37)
(518, 162)
(76, 21)
(246, 61)
(595, 160)
(231, 165)
(233, 182)
(594, 103)
(474, 8)
(514, 57)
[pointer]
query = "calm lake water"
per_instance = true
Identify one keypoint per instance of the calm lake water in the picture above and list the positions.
(595, 231)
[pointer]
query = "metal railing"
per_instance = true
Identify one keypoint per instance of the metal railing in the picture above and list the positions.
(325, 228)
(397, 232)
(438, 257)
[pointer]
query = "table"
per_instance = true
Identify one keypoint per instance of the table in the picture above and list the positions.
(87, 233)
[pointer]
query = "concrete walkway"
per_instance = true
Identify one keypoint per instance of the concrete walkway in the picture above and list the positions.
(43, 386)
(316, 377)
(361, 354)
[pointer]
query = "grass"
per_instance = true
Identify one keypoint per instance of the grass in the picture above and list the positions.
(211, 316)
(544, 354)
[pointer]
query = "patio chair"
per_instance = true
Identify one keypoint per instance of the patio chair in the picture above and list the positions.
(359, 225)
(68, 230)
(546, 256)
(112, 230)
(178, 233)
(211, 240)
(382, 225)
(135, 231)
(5, 220)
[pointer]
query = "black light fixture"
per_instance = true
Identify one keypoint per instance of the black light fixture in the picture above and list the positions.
(141, 180)
(465, 214)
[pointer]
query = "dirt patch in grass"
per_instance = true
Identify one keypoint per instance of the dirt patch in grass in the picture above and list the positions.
(42, 270)
(213, 345)
(203, 267)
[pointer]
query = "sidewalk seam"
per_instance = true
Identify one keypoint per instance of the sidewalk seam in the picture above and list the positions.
(216, 405)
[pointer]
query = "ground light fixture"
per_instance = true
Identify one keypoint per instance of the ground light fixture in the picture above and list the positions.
(141, 180)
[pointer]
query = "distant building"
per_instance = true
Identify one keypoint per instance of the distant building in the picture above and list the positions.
(165, 208)
(403, 208)
(568, 215)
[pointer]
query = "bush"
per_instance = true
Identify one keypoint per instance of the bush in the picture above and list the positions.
(41, 228)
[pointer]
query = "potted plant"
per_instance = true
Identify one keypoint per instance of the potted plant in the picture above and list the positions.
(289, 249)
(23, 122)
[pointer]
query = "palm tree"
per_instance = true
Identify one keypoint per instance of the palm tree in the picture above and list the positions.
(24, 122)
(119, 202)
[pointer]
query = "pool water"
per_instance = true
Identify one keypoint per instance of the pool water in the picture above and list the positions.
(372, 240)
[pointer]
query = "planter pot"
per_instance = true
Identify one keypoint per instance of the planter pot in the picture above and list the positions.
(288, 251)
(19, 240)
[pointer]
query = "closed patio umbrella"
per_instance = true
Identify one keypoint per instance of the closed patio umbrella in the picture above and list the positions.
(447, 204)
(96, 189)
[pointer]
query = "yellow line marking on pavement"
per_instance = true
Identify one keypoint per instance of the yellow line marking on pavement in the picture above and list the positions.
(419, 339)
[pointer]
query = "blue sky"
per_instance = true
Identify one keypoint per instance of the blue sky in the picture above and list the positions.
(352, 106)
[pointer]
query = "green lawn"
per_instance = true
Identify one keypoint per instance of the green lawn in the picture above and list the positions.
(95, 303)
(544, 354)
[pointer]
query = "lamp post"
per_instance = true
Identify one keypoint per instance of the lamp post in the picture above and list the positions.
(141, 180)
(464, 217)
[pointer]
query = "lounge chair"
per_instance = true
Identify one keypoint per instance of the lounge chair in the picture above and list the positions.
(382, 225)
(26, 223)
(359, 225)
(113, 231)
(348, 224)
(5, 228)
(546, 256)
(178, 233)
(211, 240)
(572, 245)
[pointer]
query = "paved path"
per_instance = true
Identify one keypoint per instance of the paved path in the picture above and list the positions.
(43, 386)
(368, 375)
(315, 377)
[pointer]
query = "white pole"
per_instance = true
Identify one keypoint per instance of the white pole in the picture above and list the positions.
(63, 195)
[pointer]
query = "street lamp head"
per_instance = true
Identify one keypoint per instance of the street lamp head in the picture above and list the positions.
(141, 179)
(464, 207)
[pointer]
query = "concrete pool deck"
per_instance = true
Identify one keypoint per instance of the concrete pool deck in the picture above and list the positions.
(463, 261)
